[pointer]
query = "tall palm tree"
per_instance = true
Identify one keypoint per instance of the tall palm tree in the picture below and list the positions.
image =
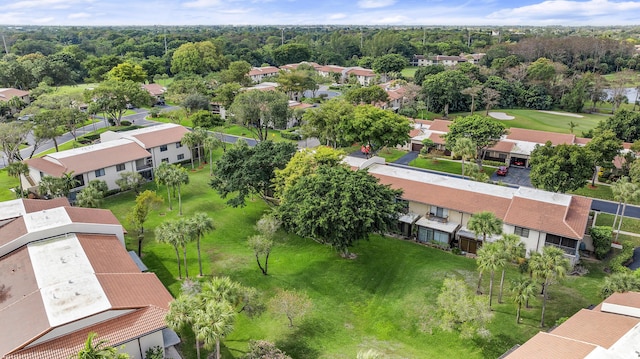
(522, 290)
(190, 139)
(512, 248)
(166, 232)
(69, 182)
(213, 323)
(184, 234)
(17, 169)
(183, 311)
(201, 134)
(465, 148)
(547, 267)
(485, 223)
(490, 258)
(201, 224)
(179, 176)
(624, 191)
(210, 143)
(162, 177)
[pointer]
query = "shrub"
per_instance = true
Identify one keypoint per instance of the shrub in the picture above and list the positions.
(154, 353)
(125, 123)
(601, 236)
(154, 112)
(291, 134)
(618, 262)
(206, 119)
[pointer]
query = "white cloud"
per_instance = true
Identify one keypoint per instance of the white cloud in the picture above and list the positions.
(372, 4)
(559, 9)
(236, 11)
(202, 3)
(27, 4)
(337, 16)
(79, 15)
(44, 20)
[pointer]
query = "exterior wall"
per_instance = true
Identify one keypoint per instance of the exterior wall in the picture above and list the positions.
(171, 153)
(533, 243)
(136, 348)
(111, 174)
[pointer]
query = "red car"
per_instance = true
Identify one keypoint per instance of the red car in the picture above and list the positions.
(502, 171)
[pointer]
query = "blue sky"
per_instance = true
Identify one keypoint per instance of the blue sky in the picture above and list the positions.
(307, 12)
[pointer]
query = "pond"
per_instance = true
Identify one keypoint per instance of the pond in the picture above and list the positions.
(631, 94)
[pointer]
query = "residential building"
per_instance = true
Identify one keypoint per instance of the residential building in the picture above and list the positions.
(611, 330)
(364, 77)
(446, 60)
(66, 274)
(258, 74)
(439, 208)
(138, 150)
(6, 94)
(156, 91)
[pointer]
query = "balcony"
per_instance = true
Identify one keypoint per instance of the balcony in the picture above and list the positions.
(436, 218)
(567, 250)
(144, 164)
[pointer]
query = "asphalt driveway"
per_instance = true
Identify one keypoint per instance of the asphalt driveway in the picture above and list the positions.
(517, 176)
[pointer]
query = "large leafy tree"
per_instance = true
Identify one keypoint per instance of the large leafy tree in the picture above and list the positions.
(327, 120)
(304, 162)
(243, 170)
(367, 95)
(389, 63)
(12, 135)
(236, 72)
(127, 71)
(48, 126)
(560, 168)
(338, 206)
(444, 91)
(296, 82)
(112, 97)
(199, 58)
(377, 127)
(483, 131)
(260, 110)
(291, 53)
(547, 267)
(603, 147)
(625, 124)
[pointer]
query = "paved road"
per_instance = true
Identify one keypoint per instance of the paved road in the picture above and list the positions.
(404, 160)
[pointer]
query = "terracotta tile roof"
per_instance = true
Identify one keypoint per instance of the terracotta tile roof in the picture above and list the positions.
(415, 132)
(423, 122)
(7, 94)
(502, 146)
(90, 158)
(36, 205)
(267, 70)
(440, 125)
(628, 299)
(582, 140)
(116, 332)
(18, 278)
(456, 199)
(549, 346)
(301, 105)
(134, 290)
(91, 215)
(361, 72)
(12, 230)
(106, 254)
(154, 89)
(594, 327)
(332, 68)
(437, 138)
(521, 134)
(551, 218)
(163, 135)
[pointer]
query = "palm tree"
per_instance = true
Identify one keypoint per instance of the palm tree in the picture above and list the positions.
(17, 169)
(624, 191)
(190, 139)
(183, 311)
(546, 267)
(465, 148)
(200, 134)
(166, 233)
(485, 223)
(90, 197)
(162, 176)
(522, 289)
(50, 186)
(178, 177)
(184, 234)
(512, 248)
(69, 182)
(98, 350)
(201, 225)
(620, 282)
(213, 323)
(210, 143)
(490, 258)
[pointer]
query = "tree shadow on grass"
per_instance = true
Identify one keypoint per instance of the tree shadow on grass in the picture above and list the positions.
(156, 266)
(496, 345)
(296, 344)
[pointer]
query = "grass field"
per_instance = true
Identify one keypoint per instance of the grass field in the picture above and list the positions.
(381, 300)
(391, 154)
(444, 165)
(6, 183)
(628, 224)
(409, 71)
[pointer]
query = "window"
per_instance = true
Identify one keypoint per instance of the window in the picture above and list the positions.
(79, 181)
(120, 167)
(100, 172)
(522, 232)
(431, 235)
(163, 148)
(178, 144)
(439, 212)
(180, 157)
(165, 160)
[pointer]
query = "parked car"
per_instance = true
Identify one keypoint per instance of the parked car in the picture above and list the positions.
(502, 171)
(518, 162)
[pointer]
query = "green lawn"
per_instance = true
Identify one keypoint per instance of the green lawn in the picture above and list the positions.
(391, 154)
(628, 224)
(536, 120)
(444, 165)
(601, 191)
(379, 300)
(7, 182)
(74, 89)
(409, 71)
